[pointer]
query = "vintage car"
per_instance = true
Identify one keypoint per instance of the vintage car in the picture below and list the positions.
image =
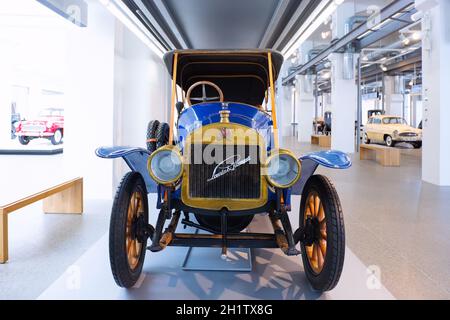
(49, 125)
(217, 164)
(391, 130)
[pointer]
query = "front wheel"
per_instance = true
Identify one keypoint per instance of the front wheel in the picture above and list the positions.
(127, 240)
(56, 138)
(24, 140)
(366, 139)
(389, 142)
(323, 247)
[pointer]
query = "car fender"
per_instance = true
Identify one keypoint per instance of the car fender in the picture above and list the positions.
(135, 158)
(310, 162)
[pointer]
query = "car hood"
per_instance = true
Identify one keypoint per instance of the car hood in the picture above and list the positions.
(401, 128)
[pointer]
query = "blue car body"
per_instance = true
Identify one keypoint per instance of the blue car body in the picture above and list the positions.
(205, 114)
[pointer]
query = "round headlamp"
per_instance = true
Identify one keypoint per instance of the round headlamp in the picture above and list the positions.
(165, 165)
(283, 169)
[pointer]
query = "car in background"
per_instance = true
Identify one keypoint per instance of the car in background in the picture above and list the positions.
(391, 130)
(49, 124)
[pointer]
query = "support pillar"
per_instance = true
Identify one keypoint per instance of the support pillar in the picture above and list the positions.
(305, 97)
(305, 109)
(343, 91)
(343, 108)
(436, 93)
(394, 100)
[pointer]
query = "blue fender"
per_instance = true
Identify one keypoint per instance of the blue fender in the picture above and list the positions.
(135, 158)
(310, 162)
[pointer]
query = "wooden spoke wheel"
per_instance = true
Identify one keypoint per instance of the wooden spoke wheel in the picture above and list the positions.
(132, 244)
(127, 239)
(315, 218)
(323, 245)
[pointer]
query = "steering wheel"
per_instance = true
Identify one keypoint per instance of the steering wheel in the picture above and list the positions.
(204, 98)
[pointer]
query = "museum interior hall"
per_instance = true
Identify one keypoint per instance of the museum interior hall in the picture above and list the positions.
(224, 150)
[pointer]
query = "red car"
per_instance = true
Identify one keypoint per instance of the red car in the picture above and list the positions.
(49, 124)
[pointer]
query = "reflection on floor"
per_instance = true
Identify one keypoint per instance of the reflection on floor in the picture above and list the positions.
(274, 277)
(396, 222)
(41, 246)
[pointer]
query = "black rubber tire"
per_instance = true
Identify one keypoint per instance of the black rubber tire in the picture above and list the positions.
(417, 145)
(24, 140)
(235, 224)
(151, 135)
(123, 275)
(53, 141)
(162, 135)
(366, 139)
(329, 277)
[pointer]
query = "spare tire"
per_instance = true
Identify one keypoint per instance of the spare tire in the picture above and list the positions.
(151, 135)
(162, 135)
(235, 224)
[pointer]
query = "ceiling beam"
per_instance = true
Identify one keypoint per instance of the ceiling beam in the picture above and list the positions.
(297, 14)
(385, 14)
(396, 24)
(168, 17)
(279, 11)
(152, 22)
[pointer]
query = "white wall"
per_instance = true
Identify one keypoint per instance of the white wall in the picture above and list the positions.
(89, 114)
(141, 92)
(436, 95)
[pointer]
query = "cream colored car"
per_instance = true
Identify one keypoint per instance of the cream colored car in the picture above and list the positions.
(391, 130)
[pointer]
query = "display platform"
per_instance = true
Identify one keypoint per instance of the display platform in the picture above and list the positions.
(35, 147)
(274, 276)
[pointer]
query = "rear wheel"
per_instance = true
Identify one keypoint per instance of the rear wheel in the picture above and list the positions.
(162, 135)
(323, 248)
(151, 135)
(127, 240)
(417, 145)
(24, 140)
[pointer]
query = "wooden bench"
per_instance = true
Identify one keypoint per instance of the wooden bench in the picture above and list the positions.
(66, 197)
(385, 156)
(322, 141)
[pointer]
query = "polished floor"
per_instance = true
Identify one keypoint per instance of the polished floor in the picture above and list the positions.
(396, 226)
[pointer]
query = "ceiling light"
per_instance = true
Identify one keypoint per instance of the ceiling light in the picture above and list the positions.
(365, 58)
(406, 41)
(417, 35)
(326, 34)
(326, 75)
(383, 67)
(319, 16)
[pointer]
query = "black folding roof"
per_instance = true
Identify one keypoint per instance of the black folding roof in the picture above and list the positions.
(243, 75)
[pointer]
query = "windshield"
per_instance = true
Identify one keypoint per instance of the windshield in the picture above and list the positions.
(51, 113)
(394, 120)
